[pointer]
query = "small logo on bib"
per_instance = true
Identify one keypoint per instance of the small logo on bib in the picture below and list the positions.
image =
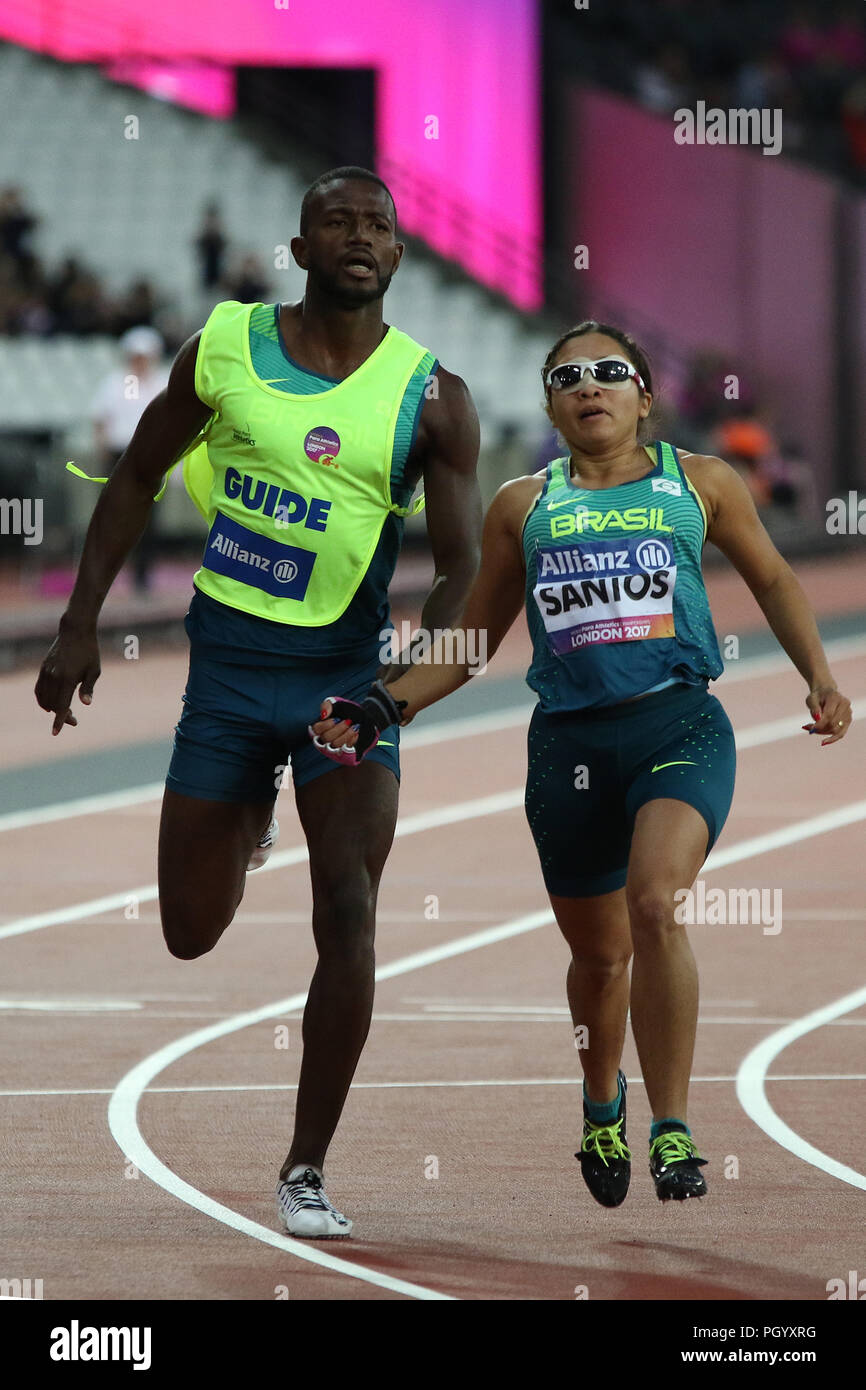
(667, 485)
(322, 445)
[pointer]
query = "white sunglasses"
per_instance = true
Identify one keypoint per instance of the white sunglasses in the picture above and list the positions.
(611, 373)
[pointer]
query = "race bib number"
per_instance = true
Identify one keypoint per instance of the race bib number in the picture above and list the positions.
(606, 591)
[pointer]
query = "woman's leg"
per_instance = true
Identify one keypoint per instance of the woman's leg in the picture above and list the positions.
(597, 932)
(669, 846)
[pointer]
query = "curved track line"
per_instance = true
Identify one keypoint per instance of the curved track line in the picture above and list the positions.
(752, 1097)
(123, 1108)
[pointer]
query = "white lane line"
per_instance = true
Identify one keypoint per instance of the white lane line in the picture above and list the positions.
(280, 859)
(81, 806)
(472, 726)
(788, 835)
(502, 801)
(469, 1001)
(776, 729)
(410, 1085)
(451, 815)
(74, 913)
(521, 1018)
(459, 1008)
(68, 1006)
(752, 668)
(753, 1098)
(123, 1107)
(469, 726)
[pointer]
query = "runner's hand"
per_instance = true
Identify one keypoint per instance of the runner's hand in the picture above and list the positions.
(72, 660)
(346, 730)
(831, 712)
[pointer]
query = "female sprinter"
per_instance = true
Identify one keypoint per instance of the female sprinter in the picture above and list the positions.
(631, 760)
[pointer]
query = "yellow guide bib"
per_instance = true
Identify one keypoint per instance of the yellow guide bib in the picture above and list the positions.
(296, 488)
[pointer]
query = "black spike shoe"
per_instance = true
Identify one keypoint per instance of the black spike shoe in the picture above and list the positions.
(604, 1156)
(675, 1166)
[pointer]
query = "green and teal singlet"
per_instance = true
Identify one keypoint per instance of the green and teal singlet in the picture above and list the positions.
(615, 598)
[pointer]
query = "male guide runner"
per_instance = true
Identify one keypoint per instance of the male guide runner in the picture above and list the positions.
(631, 760)
(307, 427)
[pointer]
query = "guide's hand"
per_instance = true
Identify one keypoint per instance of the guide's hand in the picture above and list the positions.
(72, 660)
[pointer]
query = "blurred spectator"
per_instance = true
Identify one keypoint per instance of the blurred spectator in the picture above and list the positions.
(801, 58)
(22, 299)
(763, 80)
(666, 84)
(801, 42)
(706, 398)
(248, 285)
(16, 226)
(793, 481)
(211, 244)
(31, 314)
(846, 38)
(116, 409)
(854, 124)
(75, 298)
(749, 446)
(136, 308)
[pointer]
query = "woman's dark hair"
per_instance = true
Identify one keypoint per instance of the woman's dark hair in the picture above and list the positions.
(633, 352)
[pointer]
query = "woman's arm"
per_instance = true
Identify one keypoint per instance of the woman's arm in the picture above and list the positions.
(734, 526)
(493, 603)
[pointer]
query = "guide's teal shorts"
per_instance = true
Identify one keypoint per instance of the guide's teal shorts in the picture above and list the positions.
(590, 771)
(241, 725)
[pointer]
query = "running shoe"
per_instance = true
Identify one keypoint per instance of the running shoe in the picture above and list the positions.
(604, 1157)
(675, 1166)
(304, 1209)
(262, 852)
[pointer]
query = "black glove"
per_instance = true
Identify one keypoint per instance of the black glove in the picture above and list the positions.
(376, 713)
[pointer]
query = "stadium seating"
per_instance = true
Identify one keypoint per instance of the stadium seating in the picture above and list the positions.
(131, 208)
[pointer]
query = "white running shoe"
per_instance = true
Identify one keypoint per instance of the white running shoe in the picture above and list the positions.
(262, 852)
(304, 1209)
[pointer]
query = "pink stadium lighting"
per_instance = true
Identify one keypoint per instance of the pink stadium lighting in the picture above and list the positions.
(468, 181)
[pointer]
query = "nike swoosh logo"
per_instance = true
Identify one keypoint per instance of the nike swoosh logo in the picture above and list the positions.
(678, 762)
(383, 744)
(566, 502)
